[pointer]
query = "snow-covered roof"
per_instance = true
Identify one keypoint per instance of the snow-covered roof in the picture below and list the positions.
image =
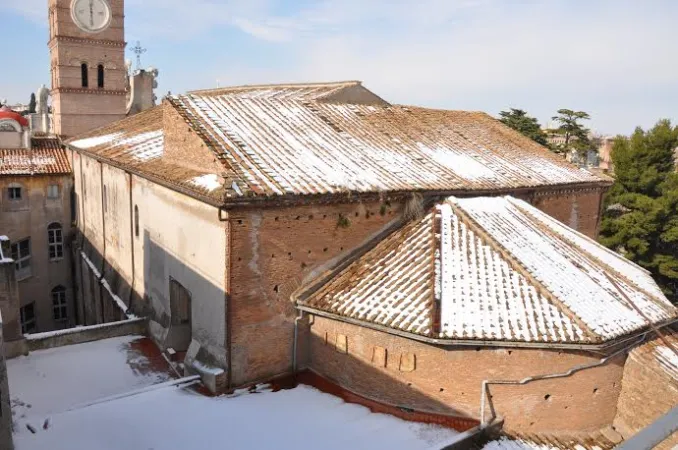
(138, 142)
(658, 355)
(109, 395)
(327, 138)
(492, 268)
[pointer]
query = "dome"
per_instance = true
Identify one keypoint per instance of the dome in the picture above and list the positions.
(8, 114)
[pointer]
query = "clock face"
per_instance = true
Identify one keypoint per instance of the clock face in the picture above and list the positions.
(91, 16)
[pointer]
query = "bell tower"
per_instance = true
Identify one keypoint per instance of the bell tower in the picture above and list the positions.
(87, 54)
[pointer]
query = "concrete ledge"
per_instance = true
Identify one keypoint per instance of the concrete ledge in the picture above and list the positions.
(79, 335)
(15, 348)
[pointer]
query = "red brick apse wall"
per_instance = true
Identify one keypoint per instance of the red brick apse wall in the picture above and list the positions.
(424, 377)
(274, 249)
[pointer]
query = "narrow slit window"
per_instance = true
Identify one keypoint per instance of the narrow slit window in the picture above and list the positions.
(84, 74)
(100, 76)
(136, 220)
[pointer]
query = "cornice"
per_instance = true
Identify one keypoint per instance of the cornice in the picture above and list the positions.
(87, 41)
(61, 90)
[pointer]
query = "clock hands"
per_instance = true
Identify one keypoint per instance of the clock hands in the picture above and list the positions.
(91, 13)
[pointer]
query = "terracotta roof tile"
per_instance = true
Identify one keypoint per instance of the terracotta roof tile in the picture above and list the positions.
(492, 269)
(327, 138)
(46, 157)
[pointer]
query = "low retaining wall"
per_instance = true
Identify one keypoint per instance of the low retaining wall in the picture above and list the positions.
(79, 335)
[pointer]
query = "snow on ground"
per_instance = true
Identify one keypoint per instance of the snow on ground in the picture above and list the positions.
(172, 418)
(64, 384)
(55, 380)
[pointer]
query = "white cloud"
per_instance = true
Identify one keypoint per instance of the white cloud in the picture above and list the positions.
(613, 58)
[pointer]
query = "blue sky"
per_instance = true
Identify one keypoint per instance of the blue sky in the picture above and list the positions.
(617, 60)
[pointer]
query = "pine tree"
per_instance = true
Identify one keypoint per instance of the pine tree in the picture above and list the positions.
(641, 210)
(524, 124)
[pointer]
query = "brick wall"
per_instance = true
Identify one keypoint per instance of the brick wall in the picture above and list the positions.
(577, 209)
(272, 251)
(425, 377)
(648, 392)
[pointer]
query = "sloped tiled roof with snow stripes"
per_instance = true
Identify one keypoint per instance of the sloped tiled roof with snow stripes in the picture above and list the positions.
(292, 140)
(138, 143)
(329, 138)
(660, 353)
(493, 268)
(45, 157)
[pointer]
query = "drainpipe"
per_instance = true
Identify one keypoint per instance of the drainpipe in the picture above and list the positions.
(294, 344)
(575, 369)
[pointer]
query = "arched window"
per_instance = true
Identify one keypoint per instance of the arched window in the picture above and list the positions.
(136, 220)
(55, 239)
(100, 76)
(59, 304)
(84, 74)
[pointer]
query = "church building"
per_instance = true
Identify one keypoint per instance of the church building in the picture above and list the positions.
(419, 259)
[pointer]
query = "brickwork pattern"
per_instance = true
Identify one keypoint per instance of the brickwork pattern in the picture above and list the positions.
(648, 392)
(448, 380)
(273, 251)
(579, 210)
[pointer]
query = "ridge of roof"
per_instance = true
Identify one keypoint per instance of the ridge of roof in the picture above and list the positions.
(516, 265)
(266, 86)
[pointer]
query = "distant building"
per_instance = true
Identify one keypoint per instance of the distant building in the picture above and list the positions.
(35, 213)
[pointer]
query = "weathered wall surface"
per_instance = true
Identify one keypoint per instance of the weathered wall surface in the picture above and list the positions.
(273, 250)
(649, 390)
(183, 239)
(176, 237)
(578, 209)
(9, 299)
(29, 218)
(416, 375)
(5, 405)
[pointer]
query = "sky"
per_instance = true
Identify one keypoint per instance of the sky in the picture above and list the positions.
(615, 59)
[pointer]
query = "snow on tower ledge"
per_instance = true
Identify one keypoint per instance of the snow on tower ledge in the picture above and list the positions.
(492, 269)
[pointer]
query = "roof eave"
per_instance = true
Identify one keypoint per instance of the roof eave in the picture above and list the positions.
(601, 347)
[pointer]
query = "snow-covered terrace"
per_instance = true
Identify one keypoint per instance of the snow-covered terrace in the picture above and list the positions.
(113, 395)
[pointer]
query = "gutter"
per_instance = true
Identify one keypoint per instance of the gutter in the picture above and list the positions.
(594, 348)
(339, 197)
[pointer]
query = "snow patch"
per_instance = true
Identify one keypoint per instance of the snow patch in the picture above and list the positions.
(173, 418)
(668, 360)
(95, 141)
(209, 182)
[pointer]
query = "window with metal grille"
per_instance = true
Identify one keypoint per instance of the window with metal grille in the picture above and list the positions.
(14, 193)
(53, 191)
(28, 318)
(21, 254)
(55, 240)
(59, 305)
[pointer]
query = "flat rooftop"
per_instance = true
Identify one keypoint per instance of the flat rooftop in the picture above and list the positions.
(113, 395)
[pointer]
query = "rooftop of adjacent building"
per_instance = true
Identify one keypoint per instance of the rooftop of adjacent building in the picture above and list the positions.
(118, 394)
(271, 141)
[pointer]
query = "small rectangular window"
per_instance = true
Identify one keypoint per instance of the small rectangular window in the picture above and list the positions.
(15, 193)
(53, 191)
(28, 318)
(21, 254)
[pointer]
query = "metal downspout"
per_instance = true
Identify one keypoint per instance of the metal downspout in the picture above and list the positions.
(295, 344)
